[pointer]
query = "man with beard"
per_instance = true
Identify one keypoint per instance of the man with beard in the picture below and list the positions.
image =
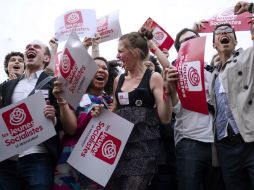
(231, 90)
(33, 168)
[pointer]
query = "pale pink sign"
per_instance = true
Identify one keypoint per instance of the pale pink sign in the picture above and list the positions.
(82, 21)
(108, 27)
(239, 22)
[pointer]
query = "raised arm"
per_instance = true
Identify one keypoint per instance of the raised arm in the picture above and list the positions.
(243, 6)
(162, 58)
(67, 115)
(198, 26)
(53, 44)
(94, 42)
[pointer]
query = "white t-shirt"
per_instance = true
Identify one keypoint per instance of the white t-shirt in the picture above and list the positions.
(193, 125)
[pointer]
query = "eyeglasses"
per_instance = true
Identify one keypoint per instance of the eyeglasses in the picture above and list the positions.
(189, 38)
(223, 30)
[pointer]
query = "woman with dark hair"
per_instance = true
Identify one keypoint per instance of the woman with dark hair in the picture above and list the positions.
(113, 73)
(74, 124)
(136, 94)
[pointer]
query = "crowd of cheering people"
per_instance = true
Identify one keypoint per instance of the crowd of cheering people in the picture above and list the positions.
(170, 147)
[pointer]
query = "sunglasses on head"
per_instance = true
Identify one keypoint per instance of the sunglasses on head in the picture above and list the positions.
(189, 38)
(223, 30)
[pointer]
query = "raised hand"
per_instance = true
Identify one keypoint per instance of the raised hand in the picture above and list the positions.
(13, 76)
(53, 42)
(241, 7)
(96, 110)
(50, 112)
(198, 26)
(171, 76)
(58, 91)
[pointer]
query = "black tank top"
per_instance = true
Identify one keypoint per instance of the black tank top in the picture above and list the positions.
(142, 96)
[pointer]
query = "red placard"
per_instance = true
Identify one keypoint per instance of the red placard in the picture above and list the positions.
(160, 37)
(190, 65)
(18, 119)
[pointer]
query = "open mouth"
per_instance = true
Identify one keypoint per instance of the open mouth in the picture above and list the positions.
(31, 55)
(99, 78)
(224, 40)
(16, 67)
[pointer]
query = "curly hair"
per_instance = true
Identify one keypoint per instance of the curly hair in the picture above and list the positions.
(8, 57)
(113, 73)
(156, 63)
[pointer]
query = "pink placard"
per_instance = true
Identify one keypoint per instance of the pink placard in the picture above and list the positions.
(190, 65)
(239, 22)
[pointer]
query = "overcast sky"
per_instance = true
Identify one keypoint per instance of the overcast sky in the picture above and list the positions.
(23, 21)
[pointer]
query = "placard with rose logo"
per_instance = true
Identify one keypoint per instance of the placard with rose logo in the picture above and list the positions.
(82, 21)
(160, 37)
(76, 70)
(24, 125)
(108, 27)
(191, 85)
(100, 147)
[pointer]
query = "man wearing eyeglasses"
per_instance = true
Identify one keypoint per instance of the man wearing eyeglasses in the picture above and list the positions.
(232, 90)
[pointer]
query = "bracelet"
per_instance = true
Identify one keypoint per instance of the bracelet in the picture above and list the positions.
(250, 8)
(63, 102)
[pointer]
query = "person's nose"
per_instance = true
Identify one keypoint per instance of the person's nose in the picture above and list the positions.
(118, 56)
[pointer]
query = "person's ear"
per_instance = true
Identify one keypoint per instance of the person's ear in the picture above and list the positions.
(6, 70)
(214, 46)
(46, 59)
(136, 52)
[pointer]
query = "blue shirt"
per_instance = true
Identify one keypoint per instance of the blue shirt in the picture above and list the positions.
(224, 114)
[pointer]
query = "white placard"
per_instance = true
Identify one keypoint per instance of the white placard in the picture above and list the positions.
(100, 147)
(82, 21)
(24, 125)
(109, 27)
(76, 70)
